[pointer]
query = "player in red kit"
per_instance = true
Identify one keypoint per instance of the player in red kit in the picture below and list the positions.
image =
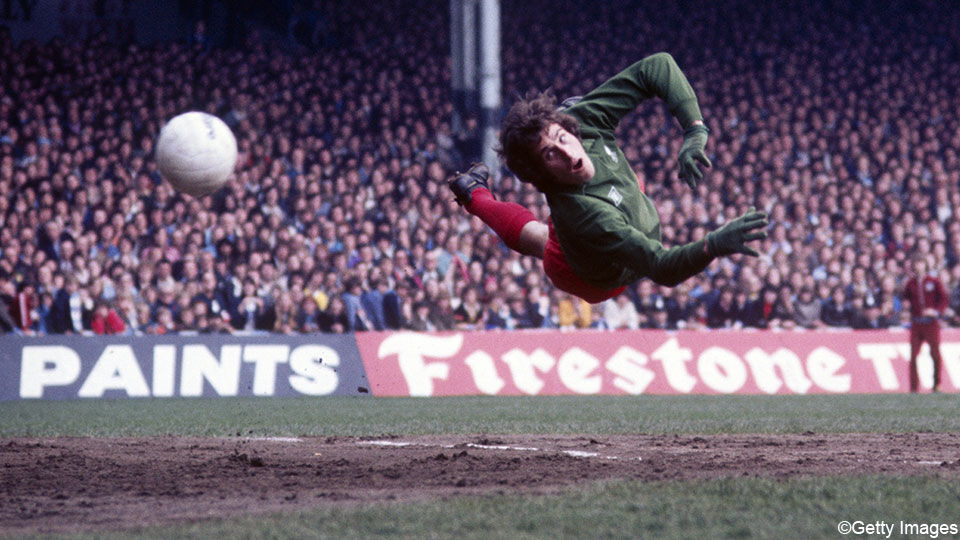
(928, 299)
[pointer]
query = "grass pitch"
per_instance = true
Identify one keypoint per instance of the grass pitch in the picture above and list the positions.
(360, 416)
(722, 508)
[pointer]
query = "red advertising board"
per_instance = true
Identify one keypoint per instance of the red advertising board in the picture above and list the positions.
(648, 362)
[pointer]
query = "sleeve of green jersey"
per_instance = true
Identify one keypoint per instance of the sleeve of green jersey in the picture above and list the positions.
(657, 75)
(613, 239)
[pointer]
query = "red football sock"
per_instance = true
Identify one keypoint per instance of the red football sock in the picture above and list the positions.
(505, 218)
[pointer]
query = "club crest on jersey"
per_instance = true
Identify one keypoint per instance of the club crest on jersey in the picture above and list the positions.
(612, 154)
(615, 196)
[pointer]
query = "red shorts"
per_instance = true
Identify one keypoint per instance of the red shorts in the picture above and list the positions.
(564, 278)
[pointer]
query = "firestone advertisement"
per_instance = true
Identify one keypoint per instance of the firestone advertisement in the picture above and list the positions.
(470, 363)
(648, 362)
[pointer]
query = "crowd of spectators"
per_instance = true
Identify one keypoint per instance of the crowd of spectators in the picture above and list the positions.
(840, 121)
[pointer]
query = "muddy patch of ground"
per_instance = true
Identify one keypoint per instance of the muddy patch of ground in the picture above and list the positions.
(73, 484)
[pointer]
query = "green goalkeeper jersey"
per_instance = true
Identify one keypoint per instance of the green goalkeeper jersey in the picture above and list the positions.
(608, 229)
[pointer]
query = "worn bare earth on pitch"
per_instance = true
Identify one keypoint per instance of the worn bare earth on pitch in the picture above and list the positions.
(71, 484)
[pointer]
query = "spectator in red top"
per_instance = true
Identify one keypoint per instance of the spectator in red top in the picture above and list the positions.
(928, 298)
(106, 320)
(24, 307)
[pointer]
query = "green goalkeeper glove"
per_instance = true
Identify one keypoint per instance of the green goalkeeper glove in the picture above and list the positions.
(732, 237)
(691, 153)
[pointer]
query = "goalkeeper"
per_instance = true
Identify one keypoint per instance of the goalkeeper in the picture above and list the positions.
(604, 233)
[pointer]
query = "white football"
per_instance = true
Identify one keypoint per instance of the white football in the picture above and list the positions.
(196, 153)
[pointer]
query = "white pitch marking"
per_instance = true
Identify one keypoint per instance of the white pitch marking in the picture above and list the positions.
(929, 462)
(499, 447)
(571, 453)
(387, 443)
(578, 453)
(275, 439)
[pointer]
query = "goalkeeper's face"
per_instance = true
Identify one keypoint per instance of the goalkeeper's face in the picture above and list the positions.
(563, 156)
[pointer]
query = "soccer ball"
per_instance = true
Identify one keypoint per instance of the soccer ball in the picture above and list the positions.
(196, 153)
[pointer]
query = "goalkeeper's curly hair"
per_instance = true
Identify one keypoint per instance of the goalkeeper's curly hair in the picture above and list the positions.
(520, 134)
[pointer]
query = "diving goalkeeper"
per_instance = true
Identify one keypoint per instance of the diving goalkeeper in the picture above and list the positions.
(603, 233)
